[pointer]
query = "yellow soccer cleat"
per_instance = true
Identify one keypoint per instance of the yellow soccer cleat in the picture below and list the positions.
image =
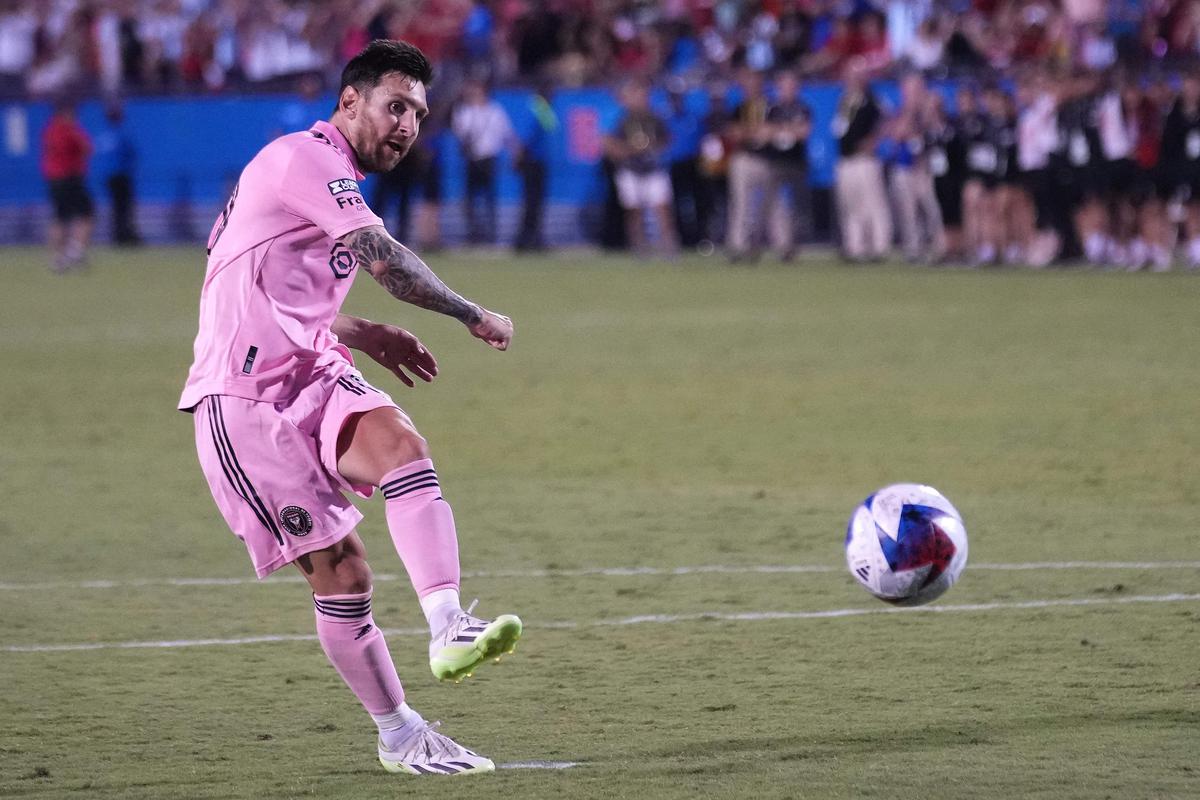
(468, 641)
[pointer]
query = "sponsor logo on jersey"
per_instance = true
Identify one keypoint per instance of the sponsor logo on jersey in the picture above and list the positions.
(296, 521)
(341, 261)
(351, 201)
(343, 185)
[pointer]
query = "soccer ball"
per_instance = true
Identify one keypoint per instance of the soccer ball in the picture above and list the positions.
(906, 544)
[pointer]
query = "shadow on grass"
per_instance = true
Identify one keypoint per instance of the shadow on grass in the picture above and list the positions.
(724, 754)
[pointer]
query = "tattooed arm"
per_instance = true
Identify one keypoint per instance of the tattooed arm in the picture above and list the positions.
(407, 278)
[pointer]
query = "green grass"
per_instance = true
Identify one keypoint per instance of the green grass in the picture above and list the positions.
(647, 415)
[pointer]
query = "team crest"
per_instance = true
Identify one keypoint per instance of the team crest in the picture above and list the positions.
(296, 521)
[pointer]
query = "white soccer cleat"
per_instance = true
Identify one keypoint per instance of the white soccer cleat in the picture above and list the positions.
(427, 752)
(468, 641)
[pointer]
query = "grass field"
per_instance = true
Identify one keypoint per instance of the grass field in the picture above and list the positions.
(648, 416)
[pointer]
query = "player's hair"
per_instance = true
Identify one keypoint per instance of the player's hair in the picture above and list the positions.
(382, 56)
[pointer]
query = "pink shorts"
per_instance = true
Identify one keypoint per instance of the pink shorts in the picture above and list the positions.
(272, 467)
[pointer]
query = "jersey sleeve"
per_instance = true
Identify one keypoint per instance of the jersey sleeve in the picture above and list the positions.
(319, 186)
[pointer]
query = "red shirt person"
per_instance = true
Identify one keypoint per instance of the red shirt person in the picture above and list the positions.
(66, 150)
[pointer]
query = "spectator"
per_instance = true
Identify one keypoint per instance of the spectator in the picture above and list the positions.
(685, 126)
(118, 159)
(1037, 139)
(66, 149)
(1011, 204)
(712, 204)
(535, 154)
(863, 213)
(750, 172)
(927, 48)
(917, 211)
(637, 146)
(1181, 160)
(871, 44)
(946, 160)
(484, 131)
(1084, 157)
(790, 122)
(18, 25)
(978, 131)
(1151, 232)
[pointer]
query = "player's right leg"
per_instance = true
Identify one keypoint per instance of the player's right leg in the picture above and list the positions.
(380, 447)
(341, 582)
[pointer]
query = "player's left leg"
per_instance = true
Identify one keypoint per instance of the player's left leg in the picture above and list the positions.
(341, 582)
(381, 447)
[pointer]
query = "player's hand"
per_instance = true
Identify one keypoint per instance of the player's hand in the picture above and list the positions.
(495, 329)
(398, 350)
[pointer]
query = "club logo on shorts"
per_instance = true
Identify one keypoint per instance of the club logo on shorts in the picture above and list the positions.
(296, 521)
(341, 261)
(343, 185)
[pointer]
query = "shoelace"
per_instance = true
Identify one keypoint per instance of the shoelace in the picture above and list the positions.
(426, 741)
(461, 620)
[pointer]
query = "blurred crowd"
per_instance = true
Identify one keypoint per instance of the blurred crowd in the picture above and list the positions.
(134, 46)
(1059, 165)
(1066, 130)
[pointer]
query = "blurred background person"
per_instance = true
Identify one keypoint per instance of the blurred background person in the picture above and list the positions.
(790, 123)
(713, 205)
(750, 171)
(1117, 128)
(946, 160)
(1084, 159)
(1180, 159)
(532, 163)
(116, 157)
(1037, 140)
(484, 131)
(918, 215)
(980, 159)
(685, 125)
(637, 146)
(66, 150)
(414, 188)
(863, 213)
(1011, 204)
(1154, 237)
(987, 140)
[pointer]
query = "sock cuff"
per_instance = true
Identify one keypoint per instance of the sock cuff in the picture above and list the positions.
(411, 478)
(343, 606)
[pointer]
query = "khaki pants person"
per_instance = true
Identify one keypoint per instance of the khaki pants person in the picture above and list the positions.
(863, 213)
(917, 213)
(749, 175)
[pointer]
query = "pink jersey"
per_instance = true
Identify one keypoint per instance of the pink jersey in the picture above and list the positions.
(276, 277)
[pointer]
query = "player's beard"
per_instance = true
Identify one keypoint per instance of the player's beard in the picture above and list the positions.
(384, 158)
(391, 158)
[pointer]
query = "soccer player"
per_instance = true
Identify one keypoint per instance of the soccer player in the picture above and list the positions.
(285, 423)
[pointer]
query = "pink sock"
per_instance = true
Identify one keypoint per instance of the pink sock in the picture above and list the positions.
(422, 527)
(357, 650)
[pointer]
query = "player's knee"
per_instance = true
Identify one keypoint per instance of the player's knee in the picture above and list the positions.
(401, 445)
(352, 575)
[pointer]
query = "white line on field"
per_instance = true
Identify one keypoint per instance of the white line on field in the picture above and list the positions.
(717, 616)
(586, 572)
(539, 765)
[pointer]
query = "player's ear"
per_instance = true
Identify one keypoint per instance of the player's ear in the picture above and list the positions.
(348, 101)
